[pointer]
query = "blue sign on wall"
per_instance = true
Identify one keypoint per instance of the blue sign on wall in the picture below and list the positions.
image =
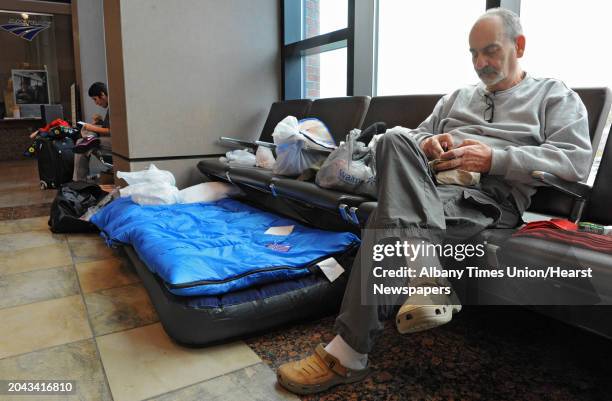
(25, 29)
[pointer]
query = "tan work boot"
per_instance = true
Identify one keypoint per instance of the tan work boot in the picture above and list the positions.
(422, 312)
(318, 372)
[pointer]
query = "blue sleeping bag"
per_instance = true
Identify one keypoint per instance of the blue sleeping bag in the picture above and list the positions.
(216, 248)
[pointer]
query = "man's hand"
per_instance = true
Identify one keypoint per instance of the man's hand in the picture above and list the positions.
(471, 156)
(434, 146)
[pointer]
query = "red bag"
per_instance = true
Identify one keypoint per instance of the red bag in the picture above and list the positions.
(567, 232)
(58, 122)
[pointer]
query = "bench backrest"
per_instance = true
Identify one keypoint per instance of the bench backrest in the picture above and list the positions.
(298, 108)
(599, 207)
(340, 114)
(407, 110)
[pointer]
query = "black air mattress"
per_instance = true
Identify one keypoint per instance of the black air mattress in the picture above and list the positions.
(203, 320)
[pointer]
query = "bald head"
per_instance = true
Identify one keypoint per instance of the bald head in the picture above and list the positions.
(511, 23)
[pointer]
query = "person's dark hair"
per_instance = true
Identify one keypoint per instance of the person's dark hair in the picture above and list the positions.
(96, 89)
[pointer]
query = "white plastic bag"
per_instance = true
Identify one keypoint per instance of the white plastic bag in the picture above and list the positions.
(264, 157)
(286, 131)
(295, 141)
(352, 167)
(293, 159)
(207, 192)
(150, 187)
(152, 174)
(241, 157)
(152, 193)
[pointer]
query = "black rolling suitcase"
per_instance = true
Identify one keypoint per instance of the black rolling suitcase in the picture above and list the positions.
(55, 161)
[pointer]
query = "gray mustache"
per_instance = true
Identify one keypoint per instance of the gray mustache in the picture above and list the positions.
(487, 70)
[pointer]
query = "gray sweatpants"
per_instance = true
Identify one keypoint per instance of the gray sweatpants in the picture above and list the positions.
(81, 160)
(409, 199)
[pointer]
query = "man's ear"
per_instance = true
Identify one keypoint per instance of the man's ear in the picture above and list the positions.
(520, 46)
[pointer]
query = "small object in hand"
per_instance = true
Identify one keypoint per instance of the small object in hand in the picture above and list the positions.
(97, 119)
(87, 144)
(455, 176)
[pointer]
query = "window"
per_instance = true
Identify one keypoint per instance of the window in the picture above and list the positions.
(318, 48)
(573, 49)
(423, 45)
(324, 74)
(323, 16)
(333, 73)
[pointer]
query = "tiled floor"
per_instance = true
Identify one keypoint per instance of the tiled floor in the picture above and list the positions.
(20, 196)
(71, 308)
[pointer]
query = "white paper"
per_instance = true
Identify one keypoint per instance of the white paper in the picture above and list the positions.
(331, 268)
(279, 230)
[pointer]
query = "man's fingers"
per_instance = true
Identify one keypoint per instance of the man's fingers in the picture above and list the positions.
(448, 164)
(436, 148)
(452, 154)
(446, 140)
(468, 142)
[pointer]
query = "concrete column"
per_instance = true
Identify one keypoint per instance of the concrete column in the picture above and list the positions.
(181, 74)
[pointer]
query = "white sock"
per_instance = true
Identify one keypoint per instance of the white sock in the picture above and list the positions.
(348, 357)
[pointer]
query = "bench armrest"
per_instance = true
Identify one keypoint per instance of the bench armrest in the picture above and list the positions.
(237, 142)
(577, 190)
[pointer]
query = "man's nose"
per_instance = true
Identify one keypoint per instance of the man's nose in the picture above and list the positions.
(480, 62)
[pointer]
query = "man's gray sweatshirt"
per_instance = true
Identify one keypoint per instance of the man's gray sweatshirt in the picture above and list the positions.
(538, 124)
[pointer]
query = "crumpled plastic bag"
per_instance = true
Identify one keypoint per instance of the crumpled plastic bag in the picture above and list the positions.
(150, 187)
(297, 143)
(207, 192)
(152, 174)
(352, 167)
(455, 176)
(239, 157)
(152, 193)
(156, 187)
(264, 157)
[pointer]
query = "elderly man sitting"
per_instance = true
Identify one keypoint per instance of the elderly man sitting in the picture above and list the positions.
(503, 128)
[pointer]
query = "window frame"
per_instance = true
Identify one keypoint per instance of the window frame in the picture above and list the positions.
(292, 53)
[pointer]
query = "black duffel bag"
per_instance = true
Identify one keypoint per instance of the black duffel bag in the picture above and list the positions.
(72, 201)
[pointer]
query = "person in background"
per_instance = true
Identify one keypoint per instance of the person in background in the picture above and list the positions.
(99, 94)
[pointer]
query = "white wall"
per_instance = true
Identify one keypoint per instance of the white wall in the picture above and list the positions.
(183, 73)
(92, 51)
(194, 70)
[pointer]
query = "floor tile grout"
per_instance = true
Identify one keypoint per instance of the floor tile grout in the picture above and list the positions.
(112, 288)
(46, 348)
(203, 381)
(93, 333)
(39, 301)
(34, 270)
(132, 328)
